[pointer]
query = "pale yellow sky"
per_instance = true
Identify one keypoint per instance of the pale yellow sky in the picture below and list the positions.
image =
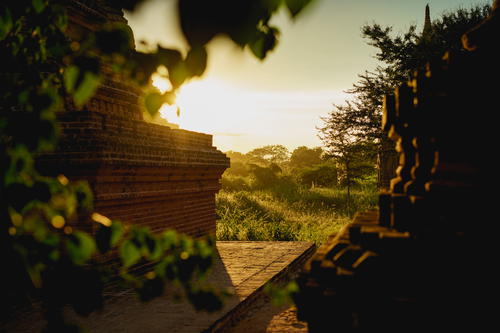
(246, 103)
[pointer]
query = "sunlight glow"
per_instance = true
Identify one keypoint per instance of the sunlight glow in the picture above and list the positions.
(208, 106)
(241, 119)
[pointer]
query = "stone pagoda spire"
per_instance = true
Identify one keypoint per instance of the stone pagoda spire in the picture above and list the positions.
(427, 23)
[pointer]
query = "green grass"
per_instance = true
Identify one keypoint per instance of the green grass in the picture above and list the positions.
(287, 214)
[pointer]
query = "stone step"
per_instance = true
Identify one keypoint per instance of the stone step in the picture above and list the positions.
(243, 267)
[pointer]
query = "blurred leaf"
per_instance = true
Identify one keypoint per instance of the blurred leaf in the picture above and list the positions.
(170, 239)
(80, 247)
(272, 5)
(6, 23)
(39, 5)
(117, 232)
(195, 19)
(151, 288)
(87, 88)
(70, 76)
(41, 191)
(296, 6)
(129, 253)
(153, 102)
(205, 300)
(103, 238)
(84, 195)
(178, 74)
(264, 42)
(154, 248)
(196, 61)
(114, 39)
(168, 57)
(257, 46)
(127, 4)
(86, 296)
(108, 236)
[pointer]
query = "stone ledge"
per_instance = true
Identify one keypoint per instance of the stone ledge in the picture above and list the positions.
(244, 267)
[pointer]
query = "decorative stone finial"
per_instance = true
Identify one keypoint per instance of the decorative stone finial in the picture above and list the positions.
(427, 23)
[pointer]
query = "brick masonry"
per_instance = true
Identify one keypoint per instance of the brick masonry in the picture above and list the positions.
(140, 173)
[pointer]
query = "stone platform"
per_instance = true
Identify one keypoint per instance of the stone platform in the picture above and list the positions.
(244, 268)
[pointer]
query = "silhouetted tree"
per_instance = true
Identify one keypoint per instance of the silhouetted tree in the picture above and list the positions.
(399, 55)
(343, 144)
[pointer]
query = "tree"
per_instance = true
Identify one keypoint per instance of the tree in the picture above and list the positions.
(42, 69)
(277, 154)
(305, 157)
(344, 146)
(400, 55)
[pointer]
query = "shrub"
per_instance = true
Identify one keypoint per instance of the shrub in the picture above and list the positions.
(231, 183)
(238, 169)
(323, 175)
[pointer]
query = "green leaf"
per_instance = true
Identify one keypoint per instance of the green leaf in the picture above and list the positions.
(170, 239)
(257, 46)
(87, 88)
(70, 77)
(39, 5)
(196, 61)
(117, 231)
(168, 57)
(114, 38)
(80, 247)
(153, 102)
(108, 237)
(83, 195)
(206, 300)
(151, 289)
(6, 23)
(178, 74)
(129, 253)
(272, 5)
(296, 6)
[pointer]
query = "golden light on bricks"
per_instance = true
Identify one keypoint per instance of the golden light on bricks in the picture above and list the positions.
(62, 179)
(96, 217)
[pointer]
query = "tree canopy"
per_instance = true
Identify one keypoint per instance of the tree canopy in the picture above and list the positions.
(356, 124)
(303, 156)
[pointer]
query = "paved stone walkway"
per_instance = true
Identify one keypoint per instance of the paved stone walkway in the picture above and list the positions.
(244, 267)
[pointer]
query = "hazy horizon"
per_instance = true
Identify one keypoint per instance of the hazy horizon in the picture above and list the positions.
(247, 104)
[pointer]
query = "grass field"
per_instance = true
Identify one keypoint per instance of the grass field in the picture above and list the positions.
(292, 214)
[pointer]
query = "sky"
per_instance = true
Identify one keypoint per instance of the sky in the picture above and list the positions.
(246, 103)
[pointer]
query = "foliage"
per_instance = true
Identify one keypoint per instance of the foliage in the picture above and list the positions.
(343, 145)
(235, 183)
(305, 157)
(323, 175)
(41, 70)
(277, 154)
(356, 125)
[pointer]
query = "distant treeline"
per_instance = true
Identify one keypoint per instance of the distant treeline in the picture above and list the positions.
(274, 166)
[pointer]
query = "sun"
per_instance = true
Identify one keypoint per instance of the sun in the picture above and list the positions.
(209, 106)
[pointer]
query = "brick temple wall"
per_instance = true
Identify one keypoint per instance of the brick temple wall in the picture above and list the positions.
(140, 173)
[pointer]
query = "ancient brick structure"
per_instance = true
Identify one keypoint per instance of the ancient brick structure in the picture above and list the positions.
(139, 172)
(425, 261)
